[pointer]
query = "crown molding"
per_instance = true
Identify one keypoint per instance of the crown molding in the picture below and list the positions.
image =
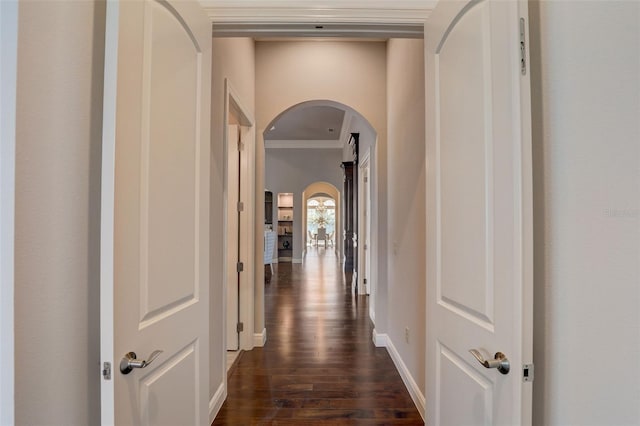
(310, 144)
(268, 31)
(282, 18)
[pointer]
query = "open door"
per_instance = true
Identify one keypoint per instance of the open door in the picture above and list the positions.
(479, 214)
(155, 214)
(232, 229)
(239, 224)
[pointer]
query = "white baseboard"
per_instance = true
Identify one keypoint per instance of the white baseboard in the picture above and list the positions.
(407, 378)
(215, 404)
(379, 340)
(296, 261)
(259, 339)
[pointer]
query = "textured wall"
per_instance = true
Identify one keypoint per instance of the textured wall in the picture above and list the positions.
(586, 109)
(406, 198)
(59, 118)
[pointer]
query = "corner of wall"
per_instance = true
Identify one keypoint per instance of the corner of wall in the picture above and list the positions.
(216, 401)
(411, 384)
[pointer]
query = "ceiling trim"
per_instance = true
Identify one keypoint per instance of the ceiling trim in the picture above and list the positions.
(280, 18)
(310, 144)
(264, 31)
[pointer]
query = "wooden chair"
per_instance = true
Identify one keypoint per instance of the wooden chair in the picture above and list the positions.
(330, 239)
(322, 235)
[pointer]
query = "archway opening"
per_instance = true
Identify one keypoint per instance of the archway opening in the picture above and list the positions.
(321, 221)
(328, 217)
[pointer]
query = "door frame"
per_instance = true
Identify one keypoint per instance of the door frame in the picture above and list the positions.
(364, 224)
(8, 83)
(233, 103)
(292, 18)
(232, 155)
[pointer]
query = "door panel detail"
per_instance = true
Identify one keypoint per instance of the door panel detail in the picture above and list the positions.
(169, 166)
(464, 407)
(465, 184)
(158, 402)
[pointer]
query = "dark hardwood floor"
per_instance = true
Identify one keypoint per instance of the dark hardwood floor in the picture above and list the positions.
(319, 365)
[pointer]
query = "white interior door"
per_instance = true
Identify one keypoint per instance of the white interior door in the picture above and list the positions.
(479, 217)
(233, 236)
(155, 217)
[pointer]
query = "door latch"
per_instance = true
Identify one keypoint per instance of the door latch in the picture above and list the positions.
(527, 373)
(106, 370)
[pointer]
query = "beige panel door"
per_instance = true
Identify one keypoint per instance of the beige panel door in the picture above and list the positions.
(479, 217)
(155, 232)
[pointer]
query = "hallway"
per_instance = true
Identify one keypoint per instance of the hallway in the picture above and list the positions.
(319, 365)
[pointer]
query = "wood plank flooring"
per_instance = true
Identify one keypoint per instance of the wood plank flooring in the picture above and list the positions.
(319, 365)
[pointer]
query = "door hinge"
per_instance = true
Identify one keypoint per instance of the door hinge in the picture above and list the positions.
(240, 206)
(240, 145)
(239, 267)
(366, 179)
(527, 372)
(106, 370)
(523, 48)
(365, 281)
(240, 327)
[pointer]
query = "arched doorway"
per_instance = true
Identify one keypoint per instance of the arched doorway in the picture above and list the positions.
(326, 193)
(321, 221)
(321, 126)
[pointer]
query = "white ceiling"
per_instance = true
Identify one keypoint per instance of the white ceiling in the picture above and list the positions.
(307, 123)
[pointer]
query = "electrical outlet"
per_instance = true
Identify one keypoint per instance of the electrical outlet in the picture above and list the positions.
(406, 334)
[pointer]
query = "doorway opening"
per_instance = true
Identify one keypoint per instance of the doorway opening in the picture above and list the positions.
(313, 142)
(238, 236)
(321, 221)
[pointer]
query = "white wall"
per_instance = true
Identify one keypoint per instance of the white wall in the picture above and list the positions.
(352, 73)
(58, 132)
(8, 78)
(586, 87)
(406, 202)
(233, 58)
(293, 170)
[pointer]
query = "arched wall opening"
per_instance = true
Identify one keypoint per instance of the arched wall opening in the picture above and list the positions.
(300, 184)
(351, 75)
(322, 188)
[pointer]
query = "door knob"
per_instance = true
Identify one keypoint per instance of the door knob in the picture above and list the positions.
(129, 361)
(499, 361)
